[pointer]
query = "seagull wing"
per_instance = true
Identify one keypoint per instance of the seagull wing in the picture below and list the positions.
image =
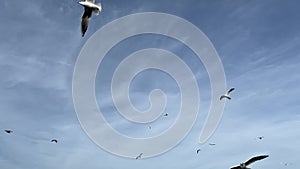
(236, 167)
(252, 160)
(8, 131)
(229, 91)
(222, 97)
(92, 1)
(85, 19)
(54, 140)
(139, 156)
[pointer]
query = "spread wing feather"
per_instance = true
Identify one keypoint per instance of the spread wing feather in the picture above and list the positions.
(252, 160)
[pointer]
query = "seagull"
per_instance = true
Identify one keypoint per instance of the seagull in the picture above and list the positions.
(89, 7)
(54, 140)
(250, 161)
(8, 131)
(198, 151)
(166, 114)
(212, 144)
(260, 137)
(226, 95)
(139, 156)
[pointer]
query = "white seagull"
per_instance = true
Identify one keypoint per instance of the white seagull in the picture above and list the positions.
(227, 94)
(250, 161)
(89, 7)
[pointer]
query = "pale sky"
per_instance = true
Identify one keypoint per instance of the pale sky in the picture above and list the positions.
(258, 43)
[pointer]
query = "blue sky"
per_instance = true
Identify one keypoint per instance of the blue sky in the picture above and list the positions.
(257, 41)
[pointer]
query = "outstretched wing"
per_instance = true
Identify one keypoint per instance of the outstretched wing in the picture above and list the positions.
(85, 19)
(236, 167)
(230, 90)
(8, 131)
(252, 160)
(224, 97)
(54, 140)
(139, 156)
(92, 1)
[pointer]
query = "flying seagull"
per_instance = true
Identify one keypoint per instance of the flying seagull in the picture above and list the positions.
(212, 144)
(260, 137)
(89, 7)
(250, 161)
(8, 131)
(139, 156)
(198, 151)
(54, 140)
(227, 94)
(166, 114)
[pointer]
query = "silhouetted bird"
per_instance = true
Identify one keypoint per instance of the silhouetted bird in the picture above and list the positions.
(54, 140)
(89, 7)
(212, 144)
(139, 156)
(166, 114)
(8, 131)
(227, 94)
(198, 151)
(260, 137)
(252, 160)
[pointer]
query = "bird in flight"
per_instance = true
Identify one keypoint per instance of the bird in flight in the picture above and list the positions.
(54, 140)
(198, 151)
(139, 156)
(250, 161)
(89, 7)
(8, 131)
(260, 137)
(212, 144)
(166, 114)
(227, 94)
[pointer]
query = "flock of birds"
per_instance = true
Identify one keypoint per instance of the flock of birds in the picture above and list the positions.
(11, 131)
(89, 8)
(242, 165)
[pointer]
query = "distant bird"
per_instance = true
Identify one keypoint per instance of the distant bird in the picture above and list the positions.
(285, 163)
(227, 94)
(149, 127)
(198, 151)
(250, 161)
(89, 7)
(260, 137)
(54, 140)
(166, 114)
(139, 156)
(212, 144)
(8, 131)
